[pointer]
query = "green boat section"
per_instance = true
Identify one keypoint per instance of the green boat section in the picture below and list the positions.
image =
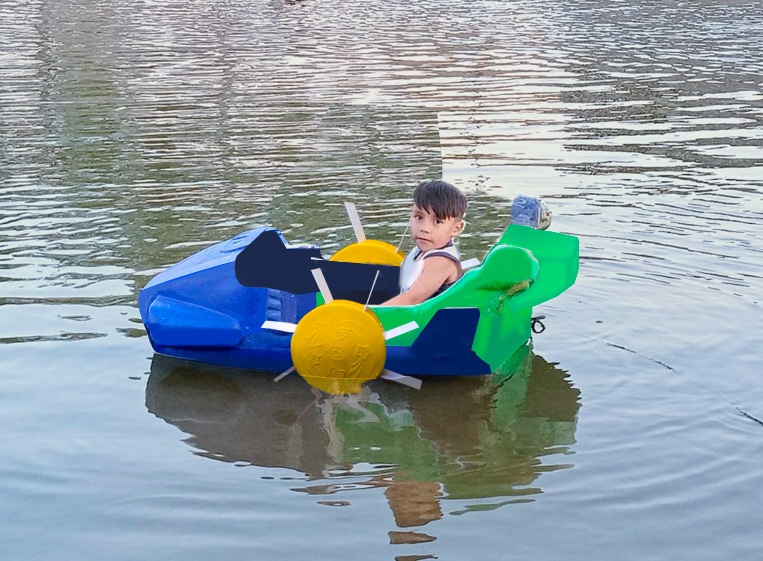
(526, 267)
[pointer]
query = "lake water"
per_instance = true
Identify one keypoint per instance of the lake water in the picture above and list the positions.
(133, 134)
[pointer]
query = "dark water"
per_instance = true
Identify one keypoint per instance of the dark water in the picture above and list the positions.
(135, 133)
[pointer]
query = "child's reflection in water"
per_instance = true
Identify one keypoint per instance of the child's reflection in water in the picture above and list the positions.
(464, 437)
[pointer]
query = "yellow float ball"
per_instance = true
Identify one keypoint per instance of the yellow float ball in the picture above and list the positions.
(370, 251)
(337, 347)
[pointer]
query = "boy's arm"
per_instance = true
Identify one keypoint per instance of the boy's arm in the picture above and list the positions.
(437, 271)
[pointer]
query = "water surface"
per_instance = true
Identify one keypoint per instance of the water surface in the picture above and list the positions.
(133, 134)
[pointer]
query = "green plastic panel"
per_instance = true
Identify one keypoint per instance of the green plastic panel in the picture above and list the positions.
(547, 261)
(558, 258)
(489, 287)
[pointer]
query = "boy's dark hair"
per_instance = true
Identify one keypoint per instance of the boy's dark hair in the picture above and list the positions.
(440, 198)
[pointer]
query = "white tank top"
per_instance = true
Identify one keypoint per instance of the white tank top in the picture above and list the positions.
(413, 264)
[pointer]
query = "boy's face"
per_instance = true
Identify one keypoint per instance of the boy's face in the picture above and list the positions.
(430, 232)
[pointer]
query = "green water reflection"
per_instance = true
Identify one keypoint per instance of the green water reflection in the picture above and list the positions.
(480, 441)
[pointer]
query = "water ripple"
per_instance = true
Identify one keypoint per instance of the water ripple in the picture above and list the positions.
(133, 133)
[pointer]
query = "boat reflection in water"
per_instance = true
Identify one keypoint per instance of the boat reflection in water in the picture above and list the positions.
(479, 441)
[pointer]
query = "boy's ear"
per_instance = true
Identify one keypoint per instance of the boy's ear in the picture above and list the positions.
(459, 227)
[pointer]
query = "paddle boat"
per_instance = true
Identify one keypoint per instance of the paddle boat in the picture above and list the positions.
(255, 302)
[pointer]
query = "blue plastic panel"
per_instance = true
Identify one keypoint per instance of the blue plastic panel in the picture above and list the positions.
(444, 347)
(176, 323)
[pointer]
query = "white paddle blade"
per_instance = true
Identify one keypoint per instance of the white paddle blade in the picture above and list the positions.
(283, 375)
(372, 291)
(280, 326)
(401, 330)
(323, 286)
(355, 219)
(403, 238)
(409, 381)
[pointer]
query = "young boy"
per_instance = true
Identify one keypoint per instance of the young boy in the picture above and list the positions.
(433, 265)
